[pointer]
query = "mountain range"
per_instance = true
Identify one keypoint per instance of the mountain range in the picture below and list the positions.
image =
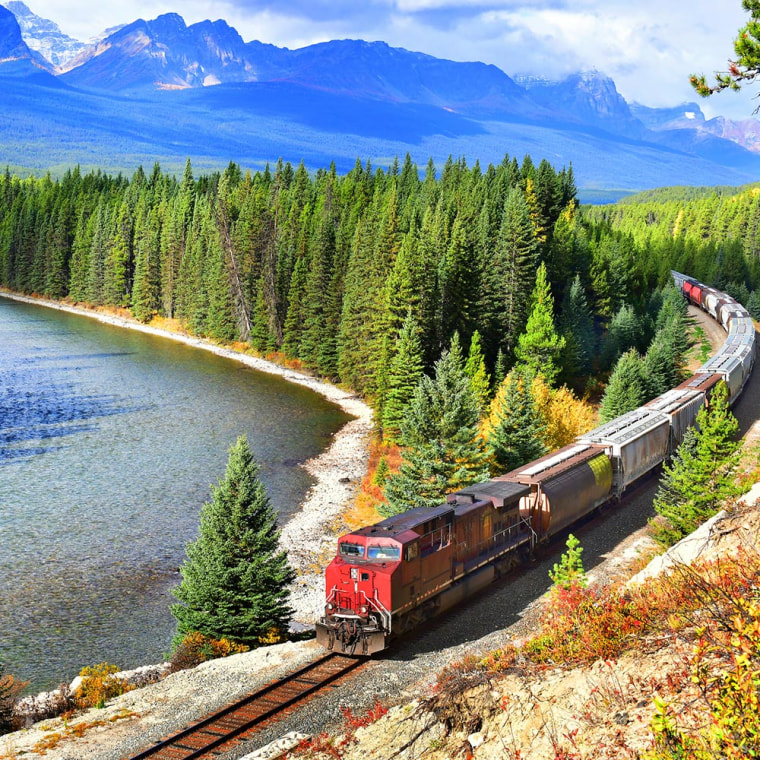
(161, 90)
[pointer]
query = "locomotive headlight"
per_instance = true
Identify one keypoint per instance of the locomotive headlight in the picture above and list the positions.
(364, 610)
(354, 573)
(330, 606)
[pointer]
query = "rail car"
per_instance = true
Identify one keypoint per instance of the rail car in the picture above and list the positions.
(389, 577)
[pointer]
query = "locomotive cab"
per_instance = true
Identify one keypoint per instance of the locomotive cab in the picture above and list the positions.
(358, 581)
(377, 578)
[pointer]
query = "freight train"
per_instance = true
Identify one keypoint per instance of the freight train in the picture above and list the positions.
(387, 578)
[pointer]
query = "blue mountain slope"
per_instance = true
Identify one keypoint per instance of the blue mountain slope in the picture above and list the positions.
(338, 101)
(327, 111)
(260, 124)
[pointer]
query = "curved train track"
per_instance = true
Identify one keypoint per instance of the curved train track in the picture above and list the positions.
(222, 730)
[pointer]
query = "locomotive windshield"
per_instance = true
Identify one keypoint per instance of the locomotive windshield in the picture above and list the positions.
(353, 551)
(383, 552)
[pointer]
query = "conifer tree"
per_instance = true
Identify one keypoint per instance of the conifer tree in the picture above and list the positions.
(514, 429)
(458, 280)
(235, 578)
(539, 347)
(625, 332)
(577, 328)
(145, 298)
(97, 257)
(701, 476)
(569, 571)
(499, 370)
(626, 389)
(442, 450)
(80, 256)
(117, 271)
(475, 369)
(404, 374)
(512, 272)
(753, 305)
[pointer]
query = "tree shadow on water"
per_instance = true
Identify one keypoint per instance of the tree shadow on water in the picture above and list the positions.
(31, 420)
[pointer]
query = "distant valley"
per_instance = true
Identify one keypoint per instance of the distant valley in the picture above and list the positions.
(162, 91)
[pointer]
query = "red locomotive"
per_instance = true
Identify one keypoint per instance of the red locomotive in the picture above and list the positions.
(389, 577)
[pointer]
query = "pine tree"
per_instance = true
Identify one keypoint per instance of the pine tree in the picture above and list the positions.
(235, 578)
(442, 450)
(514, 429)
(539, 347)
(701, 476)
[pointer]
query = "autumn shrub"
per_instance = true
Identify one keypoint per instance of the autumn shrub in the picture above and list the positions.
(195, 648)
(331, 745)
(583, 625)
(10, 690)
(384, 459)
(98, 685)
(720, 716)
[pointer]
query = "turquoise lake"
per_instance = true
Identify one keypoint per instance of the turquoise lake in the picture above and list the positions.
(109, 442)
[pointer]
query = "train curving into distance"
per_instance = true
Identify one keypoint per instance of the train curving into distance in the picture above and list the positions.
(387, 578)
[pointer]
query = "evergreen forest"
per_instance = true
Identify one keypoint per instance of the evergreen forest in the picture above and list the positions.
(394, 281)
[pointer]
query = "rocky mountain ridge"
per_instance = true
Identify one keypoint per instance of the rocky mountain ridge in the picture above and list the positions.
(44, 36)
(162, 90)
(165, 53)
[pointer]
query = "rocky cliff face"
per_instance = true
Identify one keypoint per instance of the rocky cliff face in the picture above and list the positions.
(590, 98)
(12, 45)
(44, 36)
(162, 54)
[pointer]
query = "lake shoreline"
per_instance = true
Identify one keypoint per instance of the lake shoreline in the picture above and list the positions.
(310, 533)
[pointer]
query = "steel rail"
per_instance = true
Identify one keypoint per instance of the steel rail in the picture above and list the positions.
(215, 729)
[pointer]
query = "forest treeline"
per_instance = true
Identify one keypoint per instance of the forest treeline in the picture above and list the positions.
(327, 269)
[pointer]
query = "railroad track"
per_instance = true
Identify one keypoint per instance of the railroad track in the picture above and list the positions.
(220, 731)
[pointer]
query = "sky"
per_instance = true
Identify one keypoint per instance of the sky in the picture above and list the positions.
(648, 47)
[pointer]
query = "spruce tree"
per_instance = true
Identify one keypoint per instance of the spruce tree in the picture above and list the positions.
(626, 389)
(577, 328)
(235, 578)
(539, 346)
(514, 429)
(512, 273)
(625, 332)
(404, 373)
(753, 304)
(442, 450)
(701, 476)
(475, 369)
